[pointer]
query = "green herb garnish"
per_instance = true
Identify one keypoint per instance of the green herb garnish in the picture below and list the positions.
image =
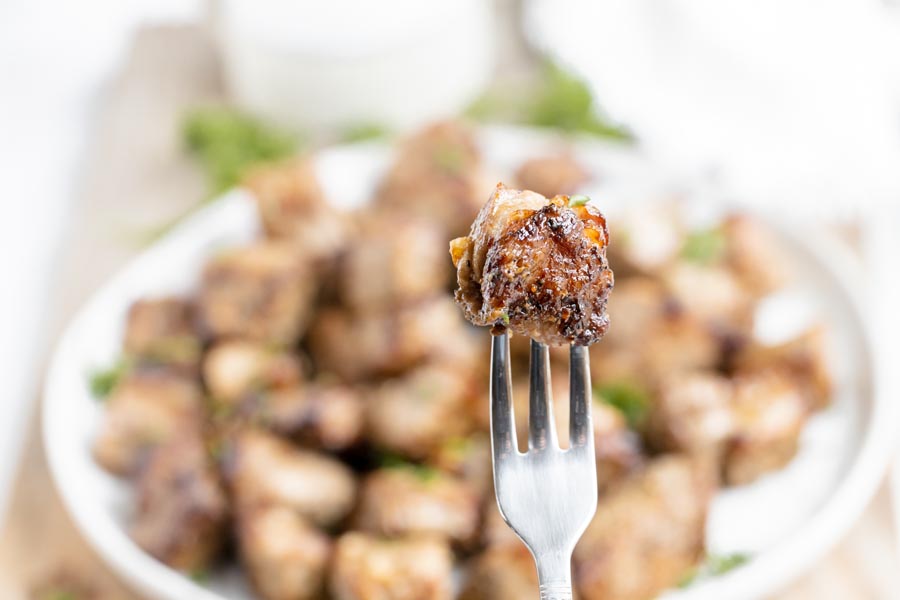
(630, 399)
(578, 200)
(504, 318)
(555, 98)
(104, 381)
(704, 247)
(714, 566)
(423, 472)
(200, 576)
(363, 132)
(450, 159)
(228, 142)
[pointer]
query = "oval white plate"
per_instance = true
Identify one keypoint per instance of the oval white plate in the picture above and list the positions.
(785, 521)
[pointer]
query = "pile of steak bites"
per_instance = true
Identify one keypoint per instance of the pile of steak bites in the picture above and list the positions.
(318, 409)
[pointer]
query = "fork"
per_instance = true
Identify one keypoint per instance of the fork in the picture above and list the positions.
(546, 495)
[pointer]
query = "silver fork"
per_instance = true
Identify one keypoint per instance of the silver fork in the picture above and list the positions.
(547, 495)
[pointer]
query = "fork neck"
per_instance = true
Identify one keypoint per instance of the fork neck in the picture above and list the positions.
(555, 575)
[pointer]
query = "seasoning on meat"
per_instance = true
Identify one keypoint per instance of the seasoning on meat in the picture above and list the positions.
(537, 267)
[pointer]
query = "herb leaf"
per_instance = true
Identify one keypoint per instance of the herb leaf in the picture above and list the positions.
(228, 142)
(704, 247)
(363, 132)
(424, 473)
(578, 200)
(555, 98)
(104, 381)
(713, 566)
(630, 399)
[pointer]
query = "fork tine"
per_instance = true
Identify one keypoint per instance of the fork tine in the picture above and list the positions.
(541, 425)
(503, 425)
(580, 428)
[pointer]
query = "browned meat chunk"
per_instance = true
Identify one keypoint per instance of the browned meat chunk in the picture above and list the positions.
(415, 500)
(234, 368)
(692, 412)
(552, 175)
(327, 416)
(770, 410)
(293, 208)
(536, 266)
(654, 337)
(181, 508)
(357, 347)
(750, 425)
(647, 533)
(711, 293)
(285, 557)
(804, 357)
(469, 459)
(144, 410)
(416, 413)
(618, 448)
(436, 176)
(261, 292)
(502, 573)
(265, 470)
(162, 332)
(394, 261)
(754, 255)
(370, 568)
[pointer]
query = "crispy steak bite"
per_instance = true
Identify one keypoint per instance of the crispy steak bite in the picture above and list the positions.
(692, 412)
(536, 266)
(144, 410)
(264, 470)
(234, 368)
(321, 415)
(261, 292)
(804, 357)
(647, 533)
(502, 573)
(367, 567)
(469, 459)
(412, 500)
(436, 176)
(362, 346)
(618, 449)
(753, 254)
(711, 293)
(552, 175)
(396, 260)
(415, 414)
(285, 556)
(770, 410)
(292, 208)
(162, 332)
(181, 507)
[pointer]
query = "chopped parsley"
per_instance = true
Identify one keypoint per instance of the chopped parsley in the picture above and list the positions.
(578, 200)
(424, 473)
(364, 131)
(104, 381)
(704, 247)
(228, 142)
(629, 398)
(449, 158)
(504, 318)
(554, 98)
(713, 566)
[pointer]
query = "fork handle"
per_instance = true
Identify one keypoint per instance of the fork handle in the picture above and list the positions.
(555, 576)
(556, 591)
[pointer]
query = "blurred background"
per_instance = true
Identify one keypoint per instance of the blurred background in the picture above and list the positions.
(123, 118)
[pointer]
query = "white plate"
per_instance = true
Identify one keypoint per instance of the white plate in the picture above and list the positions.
(785, 521)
